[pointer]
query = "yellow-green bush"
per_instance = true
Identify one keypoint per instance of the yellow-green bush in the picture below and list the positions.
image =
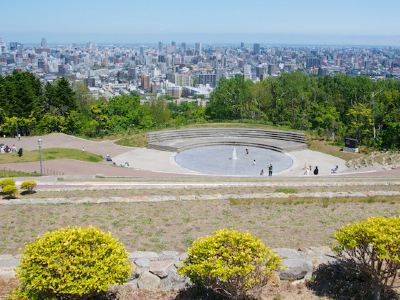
(374, 245)
(72, 263)
(29, 185)
(230, 263)
(10, 190)
(7, 181)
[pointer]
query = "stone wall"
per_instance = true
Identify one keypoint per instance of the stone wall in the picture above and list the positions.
(158, 271)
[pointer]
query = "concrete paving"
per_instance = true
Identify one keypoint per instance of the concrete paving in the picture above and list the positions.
(164, 161)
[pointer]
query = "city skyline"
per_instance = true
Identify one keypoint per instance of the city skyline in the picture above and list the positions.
(270, 22)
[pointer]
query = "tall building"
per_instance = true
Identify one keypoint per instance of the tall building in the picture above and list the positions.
(183, 47)
(241, 45)
(247, 71)
(197, 49)
(145, 82)
(183, 79)
(256, 49)
(160, 46)
(210, 79)
(43, 43)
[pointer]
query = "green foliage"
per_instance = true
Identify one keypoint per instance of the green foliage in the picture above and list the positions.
(72, 263)
(231, 263)
(29, 185)
(374, 245)
(7, 181)
(10, 191)
(343, 105)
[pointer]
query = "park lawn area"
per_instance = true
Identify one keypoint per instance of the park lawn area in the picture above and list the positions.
(325, 147)
(49, 154)
(175, 225)
(11, 173)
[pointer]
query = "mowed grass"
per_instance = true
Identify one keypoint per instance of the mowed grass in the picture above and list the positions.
(325, 147)
(174, 225)
(49, 154)
(133, 140)
(11, 173)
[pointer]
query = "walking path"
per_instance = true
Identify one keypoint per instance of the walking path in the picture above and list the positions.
(151, 163)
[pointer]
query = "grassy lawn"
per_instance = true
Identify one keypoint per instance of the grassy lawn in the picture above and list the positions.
(133, 140)
(10, 173)
(333, 150)
(174, 225)
(49, 154)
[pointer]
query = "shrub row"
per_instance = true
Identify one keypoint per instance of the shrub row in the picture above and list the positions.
(80, 263)
(9, 188)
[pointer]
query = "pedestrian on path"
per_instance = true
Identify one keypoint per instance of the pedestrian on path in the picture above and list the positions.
(270, 170)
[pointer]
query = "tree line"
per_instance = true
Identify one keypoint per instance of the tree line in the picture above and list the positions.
(340, 105)
(29, 107)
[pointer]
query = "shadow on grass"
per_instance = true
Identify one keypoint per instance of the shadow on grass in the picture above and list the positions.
(28, 192)
(197, 293)
(345, 280)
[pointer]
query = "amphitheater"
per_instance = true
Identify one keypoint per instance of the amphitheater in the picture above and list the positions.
(164, 146)
(179, 140)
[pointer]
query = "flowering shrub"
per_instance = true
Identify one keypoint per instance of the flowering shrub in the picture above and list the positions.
(231, 263)
(374, 245)
(29, 185)
(7, 181)
(10, 191)
(72, 263)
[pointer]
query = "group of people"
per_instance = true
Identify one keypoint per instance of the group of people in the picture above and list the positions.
(7, 149)
(309, 171)
(269, 167)
(269, 170)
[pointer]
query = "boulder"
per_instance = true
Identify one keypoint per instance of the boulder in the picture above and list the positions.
(148, 281)
(142, 262)
(173, 281)
(296, 264)
(160, 267)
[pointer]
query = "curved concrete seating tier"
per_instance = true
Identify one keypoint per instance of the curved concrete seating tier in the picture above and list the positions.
(179, 140)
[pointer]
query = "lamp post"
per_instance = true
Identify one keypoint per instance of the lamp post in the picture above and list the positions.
(40, 142)
(373, 94)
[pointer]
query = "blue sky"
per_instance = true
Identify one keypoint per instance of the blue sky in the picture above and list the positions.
(266, 21)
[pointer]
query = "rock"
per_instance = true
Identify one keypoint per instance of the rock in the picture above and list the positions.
(297, 265)
(169, 255)
(132, 284)
(148, 281)
(138, 271)
(142, 262)
(143, 254)
(160, 267)
(320, 255)
(173, 281)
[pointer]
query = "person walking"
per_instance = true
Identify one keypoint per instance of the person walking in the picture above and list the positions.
(316, 170)
(270, 170)
(262, 172)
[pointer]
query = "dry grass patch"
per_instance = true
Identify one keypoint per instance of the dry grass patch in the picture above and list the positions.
(173, 225)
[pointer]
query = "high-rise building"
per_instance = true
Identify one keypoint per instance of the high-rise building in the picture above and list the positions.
(183, 79)
(160, 46)
(183, 47)
(242, 45)
(145, 82)
(210, 79)
(247, 71)
(256, 49)
(43, 43)
(197, 48)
